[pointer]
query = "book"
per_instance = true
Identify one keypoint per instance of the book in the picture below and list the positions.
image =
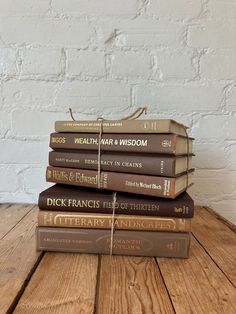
(162, 165)
(122, 126)
(104, 221)
(123, 182)
(136, 143)
(79, 199)
(98, 241)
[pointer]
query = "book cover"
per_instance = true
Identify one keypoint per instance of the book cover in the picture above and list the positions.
(98, 241)
(162, 165)
(124, 182)
(122, 126)
(73, 198)
(136, 143)
(104, 221)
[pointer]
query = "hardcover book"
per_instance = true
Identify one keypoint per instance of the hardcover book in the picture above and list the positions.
(104, 221)
(136, 143)
(162, 165)
(79, 199)
(124, 182)
(98, 241)
(121, 126)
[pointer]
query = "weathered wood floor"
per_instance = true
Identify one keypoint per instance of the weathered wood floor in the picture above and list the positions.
(32, 282)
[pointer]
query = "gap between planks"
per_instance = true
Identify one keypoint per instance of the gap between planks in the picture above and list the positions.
(18, 257)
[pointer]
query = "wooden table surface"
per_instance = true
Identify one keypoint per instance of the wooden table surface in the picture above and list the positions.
(33, 282)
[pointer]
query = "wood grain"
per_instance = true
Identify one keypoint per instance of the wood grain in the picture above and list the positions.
(197, 285)
(131, 285)
(218, 240)
(62, 283)
(11, 215)
(17, 259)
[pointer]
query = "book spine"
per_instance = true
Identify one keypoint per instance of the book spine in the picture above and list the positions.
(125, 204)
(104, 221)
(123, 182)
(130, 163)
(137, 143)
(97, 241)
(119, 126)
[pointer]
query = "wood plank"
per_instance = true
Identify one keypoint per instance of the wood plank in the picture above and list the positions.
(218, 240)
(11, 214)
(17, 259)
(131, 285)
(197, 285)
(62, 283)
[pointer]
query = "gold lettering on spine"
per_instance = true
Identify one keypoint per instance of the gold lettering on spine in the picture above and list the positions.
(84, 221)
(58, 140)
(166, 187)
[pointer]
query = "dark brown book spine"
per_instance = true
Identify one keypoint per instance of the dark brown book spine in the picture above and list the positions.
(130, 163)
(104, 221)
(123, 182)
(95, 241)
(67, 198)
(138, 143)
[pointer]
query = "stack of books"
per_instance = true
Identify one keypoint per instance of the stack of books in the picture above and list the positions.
(120, 189)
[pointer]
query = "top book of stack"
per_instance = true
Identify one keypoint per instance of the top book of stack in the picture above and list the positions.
(122, 126)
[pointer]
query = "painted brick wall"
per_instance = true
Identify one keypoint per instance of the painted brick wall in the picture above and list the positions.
(107, 57)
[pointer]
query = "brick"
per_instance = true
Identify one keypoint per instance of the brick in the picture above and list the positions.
(7, 61)
(182, 98)
(219, 66)
(91, 7)
(45, 31)
(19, 197)
(27, 93)
(41, 61)
(222, 9)
(175, 65)
(5, 123)
(90, 63)
(175, 9)
(213, 34)
(210, 156)
(24, 8)
(8, 179)
(93, 98)
(34, 123)
(23, 152)
(131, 64)
(225, 208)
(34, 180)
(140, 33)
(231, 99)
(231, 157)
(209, 184)
(215, 127)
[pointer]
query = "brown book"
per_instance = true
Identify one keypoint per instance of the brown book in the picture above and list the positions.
(136, 143)
(98, 241)
(162, 165)
(123, 182)
(121, 126)
(79, 199)
(104, 221)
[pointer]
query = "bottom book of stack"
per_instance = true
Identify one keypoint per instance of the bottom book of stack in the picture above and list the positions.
(74, 219)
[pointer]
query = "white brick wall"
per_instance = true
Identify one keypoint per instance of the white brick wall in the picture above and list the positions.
(107, 58)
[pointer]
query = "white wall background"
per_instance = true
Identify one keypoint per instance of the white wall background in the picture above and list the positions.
(107, 57)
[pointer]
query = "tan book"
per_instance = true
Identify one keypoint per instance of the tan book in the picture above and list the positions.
(104, 221)
(121, 126)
